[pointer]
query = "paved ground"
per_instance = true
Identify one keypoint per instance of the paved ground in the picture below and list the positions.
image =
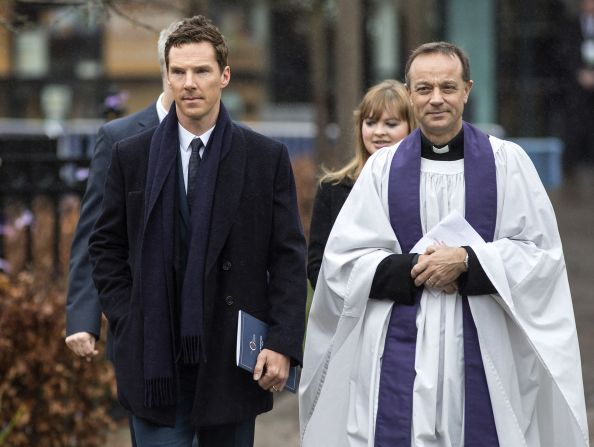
(277, 428)
(574, 206)
(280, 427)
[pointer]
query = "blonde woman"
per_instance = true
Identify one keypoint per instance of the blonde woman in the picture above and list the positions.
(383, 118)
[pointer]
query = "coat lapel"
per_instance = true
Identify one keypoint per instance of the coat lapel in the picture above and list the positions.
(227, 196)
(164, 151)
(148, 118)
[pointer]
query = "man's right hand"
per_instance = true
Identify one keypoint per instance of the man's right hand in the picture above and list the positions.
(439, 267)
(82, 344)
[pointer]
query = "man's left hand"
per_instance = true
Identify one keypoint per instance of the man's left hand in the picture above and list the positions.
(439, 267)
(272, 370)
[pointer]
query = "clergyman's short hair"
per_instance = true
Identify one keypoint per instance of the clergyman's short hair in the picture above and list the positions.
(442, 48)
(195, 30)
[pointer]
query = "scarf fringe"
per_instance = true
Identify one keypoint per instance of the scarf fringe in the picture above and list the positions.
(190, 349)
(159, 392)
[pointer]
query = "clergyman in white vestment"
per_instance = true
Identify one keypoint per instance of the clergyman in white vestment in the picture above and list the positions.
(475, 344)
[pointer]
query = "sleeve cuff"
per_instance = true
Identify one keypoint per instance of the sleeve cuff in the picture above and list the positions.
(475, 281)
(392, 280)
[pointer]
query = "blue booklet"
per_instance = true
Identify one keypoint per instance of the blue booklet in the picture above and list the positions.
(251, 334)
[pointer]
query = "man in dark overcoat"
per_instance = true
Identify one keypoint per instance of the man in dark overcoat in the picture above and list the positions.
(199, 226)
(83, 310)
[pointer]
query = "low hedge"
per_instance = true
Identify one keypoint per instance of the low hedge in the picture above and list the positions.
(48, 396)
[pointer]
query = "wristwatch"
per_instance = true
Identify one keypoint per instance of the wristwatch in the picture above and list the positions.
(466, 261)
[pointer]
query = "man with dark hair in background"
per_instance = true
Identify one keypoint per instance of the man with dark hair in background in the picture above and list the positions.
(83, 310)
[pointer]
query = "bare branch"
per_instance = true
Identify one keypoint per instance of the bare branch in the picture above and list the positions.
(111, 6)
(15, 23)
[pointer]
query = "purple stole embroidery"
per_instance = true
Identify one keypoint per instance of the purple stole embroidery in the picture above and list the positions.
(394, 416)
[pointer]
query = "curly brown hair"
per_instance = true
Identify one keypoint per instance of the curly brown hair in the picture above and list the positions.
(195, 30)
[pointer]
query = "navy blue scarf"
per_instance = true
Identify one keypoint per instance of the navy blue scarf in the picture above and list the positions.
(394, 416)
(157, 256)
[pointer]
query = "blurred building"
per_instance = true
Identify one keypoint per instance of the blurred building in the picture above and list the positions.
(299, 69)
(69, 53)
(66, 56)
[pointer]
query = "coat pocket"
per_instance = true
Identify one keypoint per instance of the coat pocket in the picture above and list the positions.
(115, 308)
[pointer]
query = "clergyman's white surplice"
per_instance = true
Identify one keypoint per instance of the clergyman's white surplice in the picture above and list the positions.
(526, 332)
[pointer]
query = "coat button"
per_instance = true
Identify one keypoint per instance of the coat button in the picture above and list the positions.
(227, 265)
(229, 300)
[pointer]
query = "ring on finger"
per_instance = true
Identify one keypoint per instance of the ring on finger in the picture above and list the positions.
(274, 388)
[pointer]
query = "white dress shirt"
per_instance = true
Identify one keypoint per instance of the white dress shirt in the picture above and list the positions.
(161, 110)
(185, 139)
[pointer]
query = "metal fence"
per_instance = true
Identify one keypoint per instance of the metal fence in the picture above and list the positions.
(43, 172)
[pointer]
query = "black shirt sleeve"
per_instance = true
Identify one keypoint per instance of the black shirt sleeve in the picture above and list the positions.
(319, 230)
(475, 281)
(392, 280)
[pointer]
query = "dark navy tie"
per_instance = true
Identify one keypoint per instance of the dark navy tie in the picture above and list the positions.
(193, 167)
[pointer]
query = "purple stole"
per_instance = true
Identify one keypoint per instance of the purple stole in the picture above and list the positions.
(394, 415)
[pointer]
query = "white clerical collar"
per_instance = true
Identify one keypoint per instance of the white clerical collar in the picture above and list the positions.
(161, 110)
(441, 150)
(186, 137)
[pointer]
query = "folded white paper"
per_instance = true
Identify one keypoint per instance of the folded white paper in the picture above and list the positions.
(453, 231)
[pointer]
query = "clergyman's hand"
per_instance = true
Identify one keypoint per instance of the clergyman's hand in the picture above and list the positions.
(272, 370)
(439, 267)
(82, 344)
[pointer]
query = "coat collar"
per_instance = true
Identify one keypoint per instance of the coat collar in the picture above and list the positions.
(148, 117)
